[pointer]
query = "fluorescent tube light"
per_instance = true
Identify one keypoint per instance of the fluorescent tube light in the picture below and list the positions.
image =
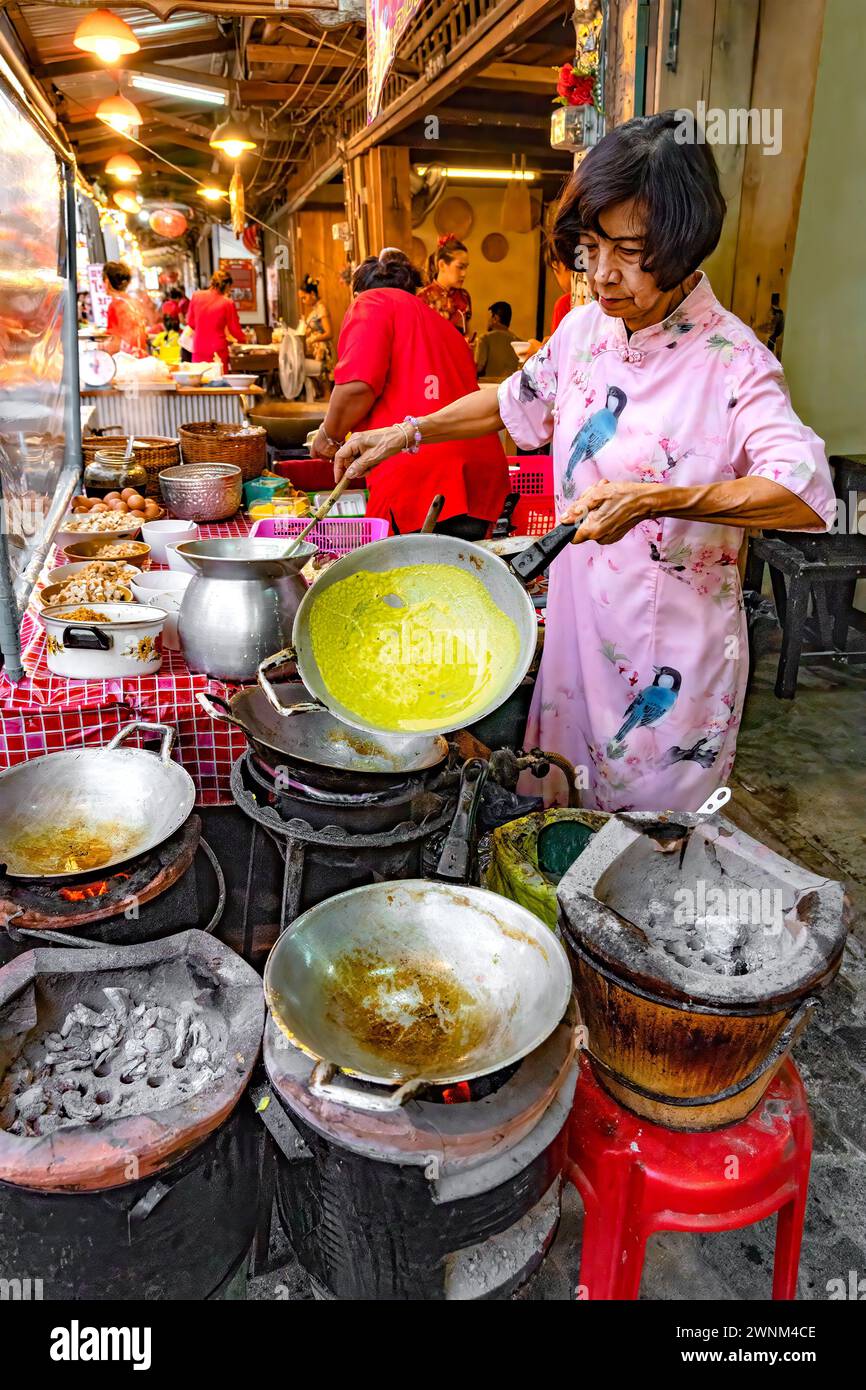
(182, 90)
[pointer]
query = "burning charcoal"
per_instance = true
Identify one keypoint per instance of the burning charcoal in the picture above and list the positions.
(148, 1018)
(199, 1056)
(72, 1064)
(102, 1042)
(167, 1016)
(155, 1040)
(17, 1127)
(53, 1042)
(132, 1048)
(31, 1103)
(137, 1011)
(181, 1033)
(78, 1107)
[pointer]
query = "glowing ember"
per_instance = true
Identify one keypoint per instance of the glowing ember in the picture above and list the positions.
(457, 1095)
(90, 890)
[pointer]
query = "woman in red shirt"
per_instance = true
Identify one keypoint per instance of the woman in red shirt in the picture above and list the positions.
(126, 324)
(395, 356)
(213, 317)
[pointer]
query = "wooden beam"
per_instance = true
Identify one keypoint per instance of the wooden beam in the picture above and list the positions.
(153, 53)
(773, 185)
(519, 75)
(510, 19)
(253, 91)
(285, 54)
(464, 116)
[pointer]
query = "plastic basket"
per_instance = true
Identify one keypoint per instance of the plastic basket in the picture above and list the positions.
(532, 475)
(534, 516)
(336, 534)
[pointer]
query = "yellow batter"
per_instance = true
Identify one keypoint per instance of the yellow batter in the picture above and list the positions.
(411, 649)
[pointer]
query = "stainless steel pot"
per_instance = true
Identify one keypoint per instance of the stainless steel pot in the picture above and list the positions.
(399, 551)
(240, 604)
(107, 804)
(411, 981)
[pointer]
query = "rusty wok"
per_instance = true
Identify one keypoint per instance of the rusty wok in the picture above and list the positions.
(417, 982)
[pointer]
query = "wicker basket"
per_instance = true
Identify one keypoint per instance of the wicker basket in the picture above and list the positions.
(244, 446)
(153, 452)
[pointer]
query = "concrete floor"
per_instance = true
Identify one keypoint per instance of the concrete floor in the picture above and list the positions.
(799, 786)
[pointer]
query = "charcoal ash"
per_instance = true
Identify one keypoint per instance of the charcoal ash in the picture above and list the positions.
(127, 1051)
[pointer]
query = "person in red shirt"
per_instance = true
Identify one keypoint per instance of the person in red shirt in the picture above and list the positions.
(446, 270)
(395, 356)
(213, 317)
(126, 324)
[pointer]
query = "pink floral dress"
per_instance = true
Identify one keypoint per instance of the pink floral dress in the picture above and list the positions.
(645, 661)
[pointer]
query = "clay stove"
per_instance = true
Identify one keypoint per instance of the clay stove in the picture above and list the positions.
(128, 1164)
(453, 1195)
(153, 895)
(698, 956)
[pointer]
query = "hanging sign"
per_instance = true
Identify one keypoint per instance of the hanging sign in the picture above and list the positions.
(387, 21)
(243, 290)
(99, 298)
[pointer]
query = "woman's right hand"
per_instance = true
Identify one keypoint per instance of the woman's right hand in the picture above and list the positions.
(365, 449)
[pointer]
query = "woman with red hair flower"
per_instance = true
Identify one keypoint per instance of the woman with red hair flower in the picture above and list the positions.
(446, 271)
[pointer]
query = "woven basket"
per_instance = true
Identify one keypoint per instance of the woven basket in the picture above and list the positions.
(155, 452)
(106, 442)
(209, 442)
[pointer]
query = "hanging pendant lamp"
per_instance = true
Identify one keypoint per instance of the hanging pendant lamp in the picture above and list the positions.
(233, 137)
(127, 202)
(107, 36)
(119, 113)
(123, 167)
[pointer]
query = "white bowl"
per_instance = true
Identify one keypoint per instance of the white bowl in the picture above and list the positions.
(159, 534)
(64, 537)
(163, 589)
(187, 378)
(239, 381)
(177, 562)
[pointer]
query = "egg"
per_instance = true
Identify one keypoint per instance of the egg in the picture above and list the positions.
(98, 507)
(81, 501)
(117, 504)
(135, 502)
(128, 492)
(151, 511)
(111, 497)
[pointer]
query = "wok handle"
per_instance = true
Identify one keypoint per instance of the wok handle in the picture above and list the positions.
(165, 731)
(529, 563)
(271, 663)
(218, 708)
(322, 1083)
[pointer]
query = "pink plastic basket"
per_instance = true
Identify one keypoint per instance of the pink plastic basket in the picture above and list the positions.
(337, 535)
(532, 475)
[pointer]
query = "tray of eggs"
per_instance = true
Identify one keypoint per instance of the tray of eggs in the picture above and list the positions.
(118, 513)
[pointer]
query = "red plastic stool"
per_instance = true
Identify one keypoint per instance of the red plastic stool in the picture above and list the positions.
(636, 1178)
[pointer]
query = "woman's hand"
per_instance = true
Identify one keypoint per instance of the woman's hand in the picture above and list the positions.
(323, 447)
(367, 448)
(610, 510)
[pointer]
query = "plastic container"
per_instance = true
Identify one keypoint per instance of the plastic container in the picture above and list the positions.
(263, 490)
(350, 504)
(532, 477)
(336, 534)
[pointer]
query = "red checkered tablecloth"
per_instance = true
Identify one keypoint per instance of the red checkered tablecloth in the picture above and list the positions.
(44, 713)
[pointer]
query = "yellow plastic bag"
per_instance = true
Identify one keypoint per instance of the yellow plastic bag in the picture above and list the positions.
(514, 869)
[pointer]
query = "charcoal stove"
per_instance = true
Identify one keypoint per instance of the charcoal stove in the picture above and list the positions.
(452, 1195)
(328, 844)
(151, 896)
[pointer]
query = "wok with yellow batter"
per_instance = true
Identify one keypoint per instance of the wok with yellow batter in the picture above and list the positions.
(412, 634)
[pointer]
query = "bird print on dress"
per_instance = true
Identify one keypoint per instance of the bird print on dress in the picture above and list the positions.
(649, 706)
(700, 752)
(593, 434)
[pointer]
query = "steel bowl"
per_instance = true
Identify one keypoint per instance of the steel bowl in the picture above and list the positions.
(202, 491)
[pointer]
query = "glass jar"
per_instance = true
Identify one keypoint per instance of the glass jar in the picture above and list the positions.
(108, 471)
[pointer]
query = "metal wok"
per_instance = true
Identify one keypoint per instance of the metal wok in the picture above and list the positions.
(316, 740)
(415, 981)
(401, 551)
(95, 806)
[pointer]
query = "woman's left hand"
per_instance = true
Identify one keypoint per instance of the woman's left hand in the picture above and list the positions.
(322, 446)
(610, 510)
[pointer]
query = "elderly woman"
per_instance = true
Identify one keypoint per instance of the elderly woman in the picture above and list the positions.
(672, 435)
(395, 356)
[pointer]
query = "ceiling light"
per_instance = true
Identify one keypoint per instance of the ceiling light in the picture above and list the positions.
(212, 193)
(153, 28)
(119, 113)
(184, 90)
(506, 175)
(127, 202)
(233, 137)
(107, 36)
(123, 167)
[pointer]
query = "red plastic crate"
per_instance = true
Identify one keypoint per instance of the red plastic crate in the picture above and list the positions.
(531, 475)
(534, 516)
(310, 475)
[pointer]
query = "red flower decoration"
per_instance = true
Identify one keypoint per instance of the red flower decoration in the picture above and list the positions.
(574, 88)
